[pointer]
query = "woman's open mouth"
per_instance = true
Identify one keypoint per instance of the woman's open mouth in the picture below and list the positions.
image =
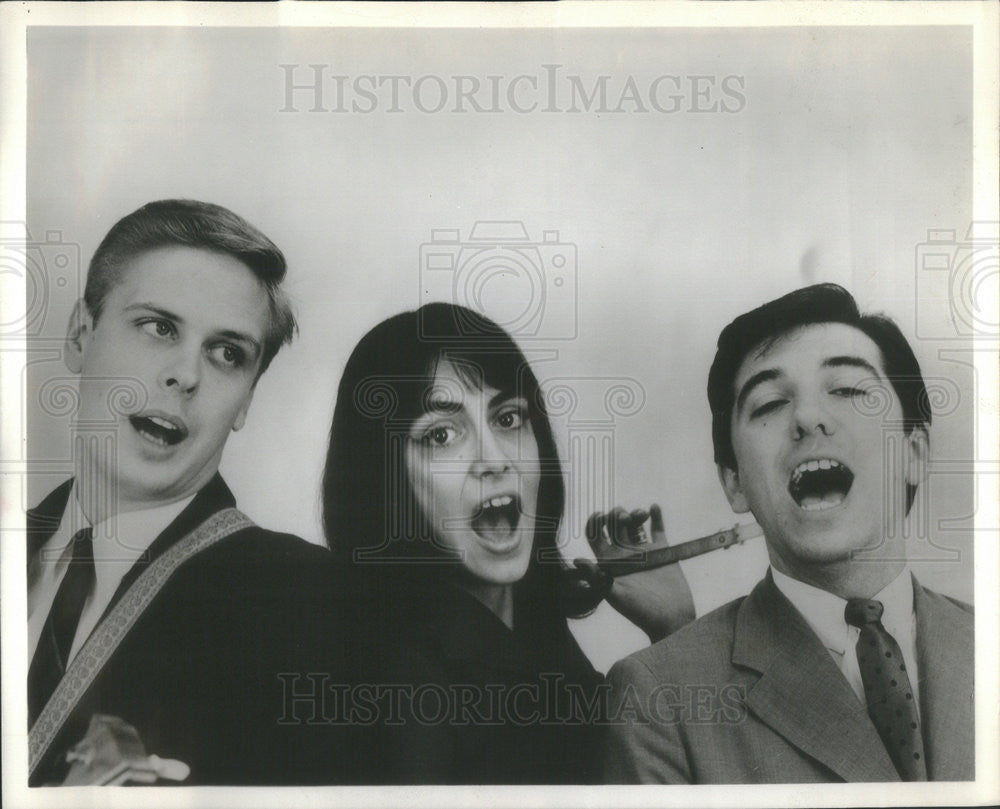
(497, 518)
(820, 484)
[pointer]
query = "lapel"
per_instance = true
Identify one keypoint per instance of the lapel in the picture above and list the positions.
(213, 497)
(468, 634)
(801, 693)
(43, 520)
(945, 659)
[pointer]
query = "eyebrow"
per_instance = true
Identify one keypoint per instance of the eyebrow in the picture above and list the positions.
(164, 313)
(229, 334)
(444, 407)
(848, 361)
(504, 396)
(757, 379)
(845, 361)
(448, 407)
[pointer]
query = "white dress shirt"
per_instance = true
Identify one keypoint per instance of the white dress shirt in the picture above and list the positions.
(824, 612)
(119, 542)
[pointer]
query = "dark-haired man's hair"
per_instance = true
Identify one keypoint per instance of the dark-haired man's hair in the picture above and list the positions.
(189, 223)
(822, 303)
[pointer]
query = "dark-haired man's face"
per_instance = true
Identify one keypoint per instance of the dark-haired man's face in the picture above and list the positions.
(168, 369)
(822, 456)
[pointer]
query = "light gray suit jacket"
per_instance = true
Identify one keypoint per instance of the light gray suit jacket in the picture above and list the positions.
(749, 694)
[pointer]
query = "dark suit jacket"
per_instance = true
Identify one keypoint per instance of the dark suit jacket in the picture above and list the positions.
(198, 674)
(517, 703)
(749, 694)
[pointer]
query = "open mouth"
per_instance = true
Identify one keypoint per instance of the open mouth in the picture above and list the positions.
(160, 430)
(497, 518)
(820, 484)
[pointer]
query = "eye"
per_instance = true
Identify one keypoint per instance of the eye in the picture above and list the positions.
(849, 392)
(767, 407)
(158, 327)
(439, 435)
(511, 418)
(228, 355)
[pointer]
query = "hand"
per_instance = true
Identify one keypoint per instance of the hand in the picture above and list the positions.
(112, 754)
(657, 601)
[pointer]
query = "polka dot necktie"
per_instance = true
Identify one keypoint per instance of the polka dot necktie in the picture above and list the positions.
(891, 704)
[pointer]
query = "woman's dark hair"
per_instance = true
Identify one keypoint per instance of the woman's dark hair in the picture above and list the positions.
(372, 522)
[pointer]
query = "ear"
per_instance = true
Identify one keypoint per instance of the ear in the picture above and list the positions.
(917, 452)
(730, 480)
(241, 417)
(79, 333)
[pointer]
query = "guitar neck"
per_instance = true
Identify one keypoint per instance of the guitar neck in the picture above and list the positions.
(656, 557)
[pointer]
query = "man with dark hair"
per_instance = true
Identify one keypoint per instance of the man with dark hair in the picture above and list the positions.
(839, 665)
(151, 599)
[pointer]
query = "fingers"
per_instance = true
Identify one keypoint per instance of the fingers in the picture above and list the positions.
(595, 527)
(617, 527)
(600, 529)
(620, 526)
(637, 529)
(656, 524)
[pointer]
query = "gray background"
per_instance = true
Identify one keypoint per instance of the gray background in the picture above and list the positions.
(851, 145)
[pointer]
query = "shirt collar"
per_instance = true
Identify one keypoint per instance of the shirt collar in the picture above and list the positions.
(824, 611)
(73, 518)
(119, 541)
(897, 602)
(57, 548)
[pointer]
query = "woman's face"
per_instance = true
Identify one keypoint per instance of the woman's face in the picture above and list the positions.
(472, 462)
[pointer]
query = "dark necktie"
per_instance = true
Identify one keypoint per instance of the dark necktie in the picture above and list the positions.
(56, 641)
(891, 704)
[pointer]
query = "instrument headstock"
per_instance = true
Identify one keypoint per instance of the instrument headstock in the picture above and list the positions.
(112, 754)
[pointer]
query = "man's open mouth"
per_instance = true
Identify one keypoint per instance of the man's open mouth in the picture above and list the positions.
(161, 430)
(497, 517)
(820, 484)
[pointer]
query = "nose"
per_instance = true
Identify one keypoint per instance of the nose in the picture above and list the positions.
(812, 417)
(494, 457)
(182, 374)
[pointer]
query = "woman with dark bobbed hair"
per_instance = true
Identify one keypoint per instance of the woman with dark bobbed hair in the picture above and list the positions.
(442, 499)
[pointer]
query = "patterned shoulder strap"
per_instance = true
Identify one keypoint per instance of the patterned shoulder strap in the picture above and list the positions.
(101, 644)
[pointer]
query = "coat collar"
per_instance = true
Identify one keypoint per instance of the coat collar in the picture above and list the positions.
(801, 693)
(466, 632)
(213, 496)
(43, 520)
(945, 659)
